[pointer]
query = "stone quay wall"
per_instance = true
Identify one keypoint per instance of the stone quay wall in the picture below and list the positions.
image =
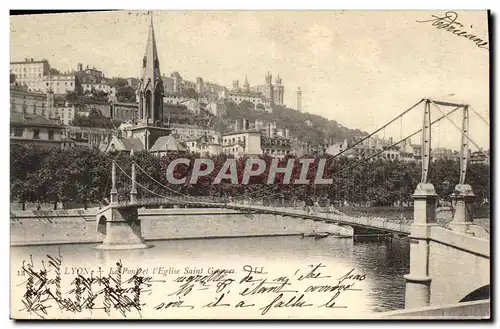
(79, 226)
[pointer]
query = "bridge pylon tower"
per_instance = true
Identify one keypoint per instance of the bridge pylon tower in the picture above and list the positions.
(418, 281)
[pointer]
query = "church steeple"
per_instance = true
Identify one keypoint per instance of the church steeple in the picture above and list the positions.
(246, 85)
(151, 84)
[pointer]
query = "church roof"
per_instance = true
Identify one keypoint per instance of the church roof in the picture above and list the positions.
(125, 144)
(132, 144)
(167, 144)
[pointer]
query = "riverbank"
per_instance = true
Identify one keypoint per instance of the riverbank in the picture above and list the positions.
(79, 226)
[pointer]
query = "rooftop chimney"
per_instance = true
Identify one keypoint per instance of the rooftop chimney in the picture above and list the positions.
(245, 124)
(237, 125)
(287, 133)
(271, 130)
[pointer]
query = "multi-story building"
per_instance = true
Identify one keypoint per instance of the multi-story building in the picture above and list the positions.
(59, 84)
(30, 72)
(242, 143)
(479, 157)
(104, 87)
(88, 136)
(36, 130)
(125, 112)
(174, 98)
(91, 71)
(31, 103)
(276, 146)
(65, 114)
(441, 153)
(205, 146)
(375, 148)
(190, 132)
(256, 98)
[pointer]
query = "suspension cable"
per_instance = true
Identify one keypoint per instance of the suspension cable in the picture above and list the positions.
(378, 153)
(455, 125)
(162, 185)
(314, 166)
(479, 115)
(145, 188)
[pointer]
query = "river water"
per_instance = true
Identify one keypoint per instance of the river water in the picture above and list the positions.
(382, 264)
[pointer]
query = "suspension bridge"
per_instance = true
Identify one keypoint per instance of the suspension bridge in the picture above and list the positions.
(124, 209)
(436, 252)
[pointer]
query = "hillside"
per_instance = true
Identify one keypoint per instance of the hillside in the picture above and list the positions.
(306, 127)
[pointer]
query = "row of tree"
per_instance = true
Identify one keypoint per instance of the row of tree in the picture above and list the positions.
(50, 175)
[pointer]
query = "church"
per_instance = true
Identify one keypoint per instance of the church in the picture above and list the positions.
(148, 131)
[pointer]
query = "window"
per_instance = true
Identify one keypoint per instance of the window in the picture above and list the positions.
(36, 134)
(18, 132)
(51, 135)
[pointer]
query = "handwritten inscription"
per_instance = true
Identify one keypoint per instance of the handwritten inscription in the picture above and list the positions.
(449, 22)
(121, 290)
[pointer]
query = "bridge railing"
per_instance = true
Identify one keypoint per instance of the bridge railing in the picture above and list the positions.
(328, 212)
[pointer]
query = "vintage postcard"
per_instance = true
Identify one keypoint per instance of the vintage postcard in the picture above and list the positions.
(250, 165)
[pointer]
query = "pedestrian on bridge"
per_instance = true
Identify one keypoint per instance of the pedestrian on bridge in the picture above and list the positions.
(309, 205)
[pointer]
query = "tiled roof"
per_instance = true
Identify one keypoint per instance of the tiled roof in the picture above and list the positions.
(132, 144)
(167, 143)
(32, 120)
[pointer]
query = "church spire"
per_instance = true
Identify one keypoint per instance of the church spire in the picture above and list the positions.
(151, 86)
(151, 65)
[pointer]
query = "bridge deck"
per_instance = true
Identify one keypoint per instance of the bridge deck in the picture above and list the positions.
(337, 217)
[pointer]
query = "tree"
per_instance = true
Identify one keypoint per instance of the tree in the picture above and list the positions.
(126, 94)
(118, 82)
(190, 93)
(72, 97)
(53, 71)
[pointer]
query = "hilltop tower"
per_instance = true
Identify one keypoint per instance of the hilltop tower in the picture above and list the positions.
(299, 99)
(246, 85)
(149, 125)
(279, 91)
(268, 87)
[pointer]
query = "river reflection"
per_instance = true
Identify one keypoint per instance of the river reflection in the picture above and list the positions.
(383, 262)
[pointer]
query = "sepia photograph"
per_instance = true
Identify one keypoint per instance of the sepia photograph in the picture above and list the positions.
(250, 164)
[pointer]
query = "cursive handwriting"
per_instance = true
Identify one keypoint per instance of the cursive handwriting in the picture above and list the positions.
(449, 22)
(124, 290)
(42, 292)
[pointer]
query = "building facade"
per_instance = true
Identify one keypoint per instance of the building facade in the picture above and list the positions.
(59, 84)
(242, 143)
(30, 73)
(31, 103)
(125, 112)
(190, 132)
(36, 130)
(88, 136)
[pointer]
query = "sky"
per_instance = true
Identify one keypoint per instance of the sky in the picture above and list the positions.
(359, 68)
